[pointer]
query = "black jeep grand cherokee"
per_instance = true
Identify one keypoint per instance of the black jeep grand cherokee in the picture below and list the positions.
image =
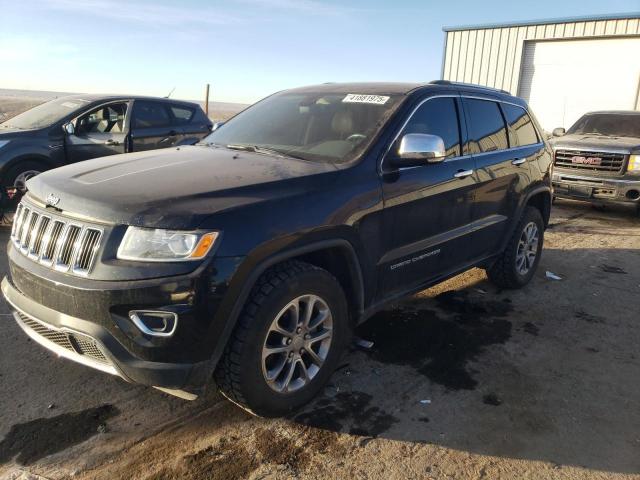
(251, 256)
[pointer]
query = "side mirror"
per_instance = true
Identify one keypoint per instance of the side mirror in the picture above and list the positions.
(419, 149)
(69, 128)
(558, 132)
(216, 126)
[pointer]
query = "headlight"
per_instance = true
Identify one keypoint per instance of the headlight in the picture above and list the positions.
(156, 245)
(3, 143)
(634, 164)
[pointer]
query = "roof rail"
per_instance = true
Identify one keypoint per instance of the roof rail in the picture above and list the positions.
(463, 84)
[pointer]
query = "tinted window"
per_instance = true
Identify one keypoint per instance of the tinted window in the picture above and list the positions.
(104, 119)
(522, 130)
(611, 124)
(181, 115)
(149, 114)
(438, 116)
(487, 131)
(321, 126)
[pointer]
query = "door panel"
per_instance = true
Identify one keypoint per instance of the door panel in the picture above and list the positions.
(98, 133)
(427, 208)
(151, 126)
(94, 145)
(502, 167)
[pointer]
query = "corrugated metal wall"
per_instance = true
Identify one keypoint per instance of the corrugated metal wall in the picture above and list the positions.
(492, 56)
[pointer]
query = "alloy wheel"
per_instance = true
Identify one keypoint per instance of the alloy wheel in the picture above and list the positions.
(527, 248)
(297, 343)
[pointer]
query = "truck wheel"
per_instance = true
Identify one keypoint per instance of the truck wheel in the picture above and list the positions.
(517, 264)
(18, 175)
(288, 340)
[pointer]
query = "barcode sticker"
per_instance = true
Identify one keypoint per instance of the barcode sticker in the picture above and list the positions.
(361, 98)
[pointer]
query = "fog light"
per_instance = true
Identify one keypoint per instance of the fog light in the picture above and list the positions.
(155, 323)
(633, 194)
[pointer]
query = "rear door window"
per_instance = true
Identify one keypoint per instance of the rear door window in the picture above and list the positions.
(522, 132)
(487, 130)
(438, 116)
(150, 115)
(181, 114)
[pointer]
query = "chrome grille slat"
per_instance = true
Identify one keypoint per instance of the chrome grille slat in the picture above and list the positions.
(51, 242)
(16, 220)
(55, 242)
(36, 237)
(611, 163)
(67, 247)
(24, 228)
(33, 221)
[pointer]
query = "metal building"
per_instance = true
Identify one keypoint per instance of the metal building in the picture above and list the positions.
(563, 68)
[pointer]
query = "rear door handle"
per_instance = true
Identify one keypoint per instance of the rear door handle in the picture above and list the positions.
(518, 161)
(463, 173)
(112, 142)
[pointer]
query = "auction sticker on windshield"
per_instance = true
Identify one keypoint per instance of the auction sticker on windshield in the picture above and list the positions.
(360, 98)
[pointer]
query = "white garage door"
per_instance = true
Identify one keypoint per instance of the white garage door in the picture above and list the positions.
(563, 79)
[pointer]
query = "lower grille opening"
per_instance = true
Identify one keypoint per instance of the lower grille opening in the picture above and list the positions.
(74, 342)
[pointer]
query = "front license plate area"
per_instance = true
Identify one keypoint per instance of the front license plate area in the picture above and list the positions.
(580, 191)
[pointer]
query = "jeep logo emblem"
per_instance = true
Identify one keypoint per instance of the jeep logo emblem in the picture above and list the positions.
(52, 200)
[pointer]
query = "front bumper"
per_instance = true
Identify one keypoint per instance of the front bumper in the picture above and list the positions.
(596, 189)
(90, 344)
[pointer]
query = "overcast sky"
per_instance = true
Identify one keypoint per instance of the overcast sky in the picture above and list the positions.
(246, 49)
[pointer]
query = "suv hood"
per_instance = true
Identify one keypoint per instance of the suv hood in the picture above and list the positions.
(173, 188)
(588, 142)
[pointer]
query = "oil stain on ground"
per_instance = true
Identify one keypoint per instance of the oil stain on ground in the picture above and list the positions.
(353, 409)
(31, 441)
(439, 348)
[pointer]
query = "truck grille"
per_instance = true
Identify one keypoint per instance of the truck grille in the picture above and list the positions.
(55, 242)
(74, 342)
(602, 162)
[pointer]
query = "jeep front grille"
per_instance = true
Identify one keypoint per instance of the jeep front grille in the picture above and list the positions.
(55, 242)
(610, 163)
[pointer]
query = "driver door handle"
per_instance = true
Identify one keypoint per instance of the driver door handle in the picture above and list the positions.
(463, 173)
(518, 161)
(112, 142)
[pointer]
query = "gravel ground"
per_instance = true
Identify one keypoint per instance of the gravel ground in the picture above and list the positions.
(463, 381)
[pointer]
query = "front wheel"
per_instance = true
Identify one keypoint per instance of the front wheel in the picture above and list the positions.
(517, 264)
(288, 340)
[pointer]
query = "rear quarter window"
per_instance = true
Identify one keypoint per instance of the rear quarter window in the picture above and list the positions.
(522, 131)
(181, 114)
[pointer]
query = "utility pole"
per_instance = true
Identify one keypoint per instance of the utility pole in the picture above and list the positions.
(206, 100)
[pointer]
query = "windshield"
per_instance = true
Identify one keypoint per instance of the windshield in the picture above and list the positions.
(323, 127)
(609, 124)
(45, 114)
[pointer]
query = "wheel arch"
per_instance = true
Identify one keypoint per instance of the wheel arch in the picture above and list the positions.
(326, 254)
(538, 197)
(27, 157)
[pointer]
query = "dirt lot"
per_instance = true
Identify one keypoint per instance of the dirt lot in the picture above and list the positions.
(540, 383)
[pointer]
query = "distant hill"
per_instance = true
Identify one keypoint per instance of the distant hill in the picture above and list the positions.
(13, 102)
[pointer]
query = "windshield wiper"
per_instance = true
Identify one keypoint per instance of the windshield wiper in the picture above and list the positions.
(260, 150)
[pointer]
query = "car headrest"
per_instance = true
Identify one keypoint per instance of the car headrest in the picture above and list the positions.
(342, 123)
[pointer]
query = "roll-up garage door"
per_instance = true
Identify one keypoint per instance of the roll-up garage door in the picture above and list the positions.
(563, 79)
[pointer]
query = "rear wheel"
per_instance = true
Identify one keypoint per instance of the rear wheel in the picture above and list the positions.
(517, 264)
(288, 340)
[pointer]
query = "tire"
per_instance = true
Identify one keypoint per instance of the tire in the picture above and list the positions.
(241, 375)
(15, 176)
(507, 271)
